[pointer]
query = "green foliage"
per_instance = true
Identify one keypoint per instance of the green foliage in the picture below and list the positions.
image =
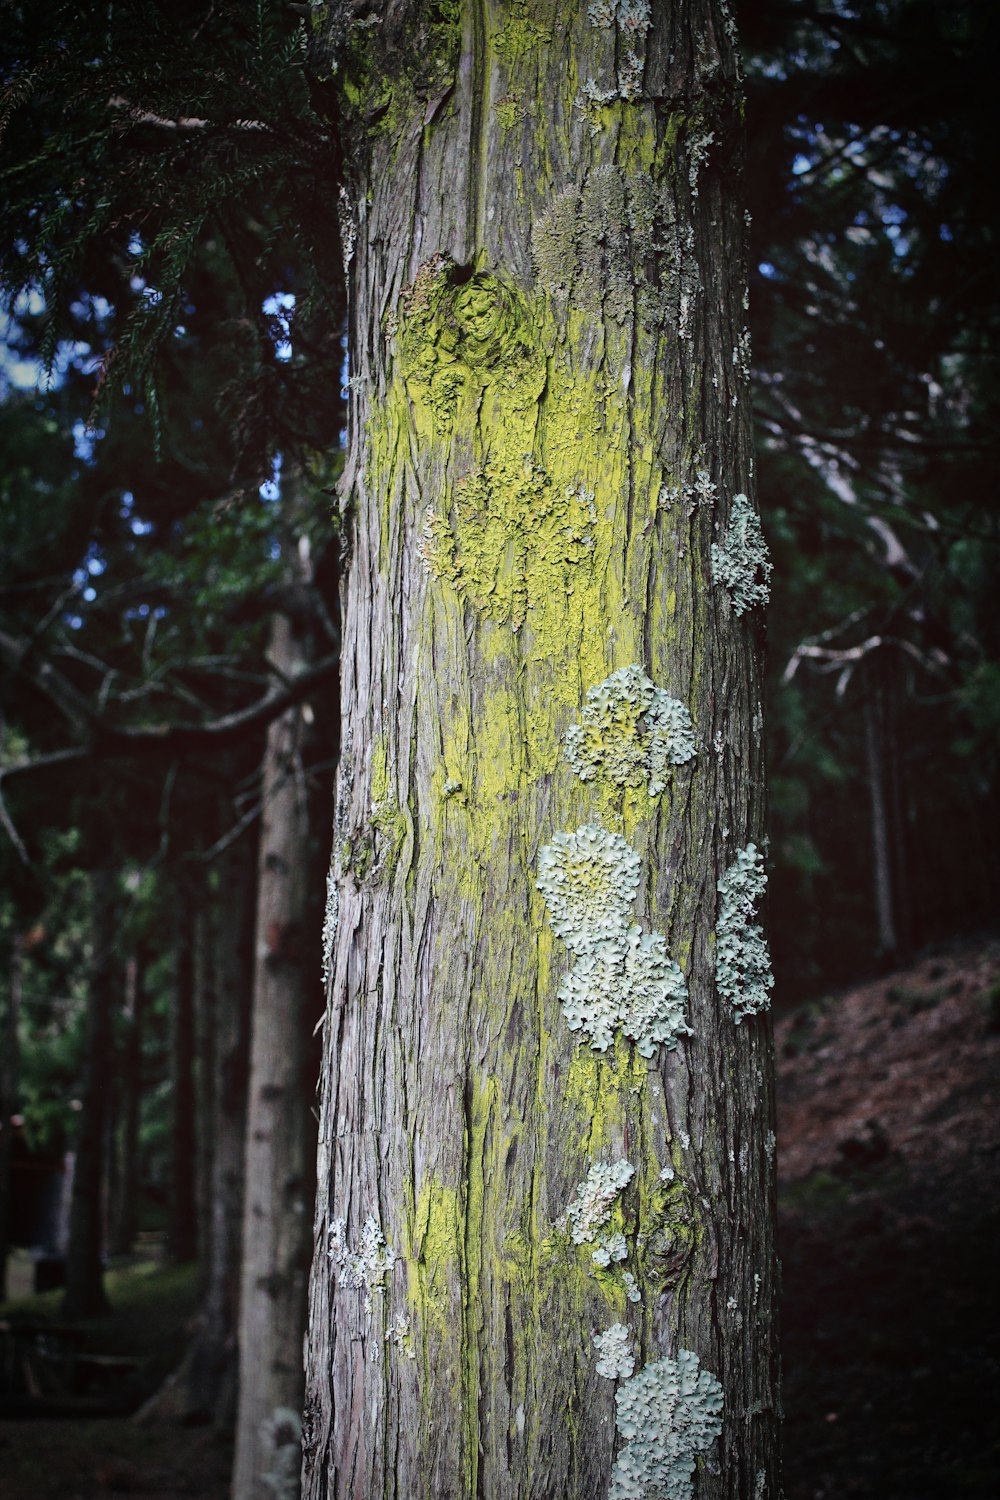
(874, 302)
(136, 135)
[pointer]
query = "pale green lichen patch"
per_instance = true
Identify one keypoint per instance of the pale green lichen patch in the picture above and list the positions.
(631, 20)
(631, 733)
(609, 1249)
(742, 961)
(617, 1358)
(741, 562)
(366, 1267)
(669, 1413)
(623, 977)
(617, 242)
(513, 537)
(589, 880)
(331, 917)
(590, 1210)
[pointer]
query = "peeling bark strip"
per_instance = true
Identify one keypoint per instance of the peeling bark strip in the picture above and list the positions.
(550, 421)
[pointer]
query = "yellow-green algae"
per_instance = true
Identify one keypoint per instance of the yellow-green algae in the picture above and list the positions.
(509, 112)
(528, 467)
(379, 855)
(522, 32)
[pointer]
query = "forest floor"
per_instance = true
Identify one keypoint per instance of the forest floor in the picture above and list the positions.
(889, 1162)
(889, 1153)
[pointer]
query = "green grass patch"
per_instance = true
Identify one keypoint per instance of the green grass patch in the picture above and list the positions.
(151, 1306)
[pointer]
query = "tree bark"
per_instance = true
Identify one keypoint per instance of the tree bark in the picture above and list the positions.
(9, 1087)
(279, 1176)
(550, 423)
(206, 1022)
(183, 1227)
(203, 1387)
(85, 1296)
(125, 1217)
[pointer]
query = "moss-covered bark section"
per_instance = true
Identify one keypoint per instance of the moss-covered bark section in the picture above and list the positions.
(546, 414)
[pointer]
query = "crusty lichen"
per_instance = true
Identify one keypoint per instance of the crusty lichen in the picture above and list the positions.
(513, 537)
(590, 1210)
(459, 334)
(365, 1268)
(631, 732)
(669, 1413)
(617, 1357)
(742, 961)
(617, 241)
(741, 562)
(630, 20)
(623, 977)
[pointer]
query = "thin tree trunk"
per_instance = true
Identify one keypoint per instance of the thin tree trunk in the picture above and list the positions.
(85, 1296)
(9, 1086)
(882, 862)
(206, 1021)
(183, 1227)
(550, 426)
(895, 766)
(203, 1387)
(234, 988)
(125, 1221)
(279, 1177)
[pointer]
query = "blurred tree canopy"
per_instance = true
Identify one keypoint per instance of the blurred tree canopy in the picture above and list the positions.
(873, 158)
(172, 254)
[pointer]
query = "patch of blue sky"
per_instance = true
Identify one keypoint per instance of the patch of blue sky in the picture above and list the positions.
(136, 524)
(270, 490)
(279, 310)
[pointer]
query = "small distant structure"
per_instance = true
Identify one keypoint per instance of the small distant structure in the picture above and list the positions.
(41, 1192)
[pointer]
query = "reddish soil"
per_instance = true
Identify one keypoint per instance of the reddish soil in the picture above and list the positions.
(889, 1155)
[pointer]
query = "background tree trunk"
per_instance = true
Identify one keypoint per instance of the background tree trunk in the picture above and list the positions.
(9, 1085)
(183, 1227)
(206, 1023)
(203, 1387)
(85, 1296)
(550, 420)
(279, 1175)
(125, 1215)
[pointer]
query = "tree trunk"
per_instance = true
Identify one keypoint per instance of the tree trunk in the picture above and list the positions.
(279, 1176)
(9, 1086)
(85, 1296)
(550, 425)
(183, 1226)
(882, 860)
(125, 1218)
(203, 1387)
(206, 1021)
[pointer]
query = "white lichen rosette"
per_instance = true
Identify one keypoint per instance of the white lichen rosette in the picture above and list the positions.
(669, 1413)
(623, 978)
(631, 733)
(741, 562)
(742, 960)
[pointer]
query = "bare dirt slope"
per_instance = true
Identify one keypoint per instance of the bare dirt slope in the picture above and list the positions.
(889, 1153)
